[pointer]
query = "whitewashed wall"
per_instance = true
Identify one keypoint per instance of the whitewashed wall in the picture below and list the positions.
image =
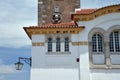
(105, 74)
(54, 74)
(104, 22)
(54, 66)
(40, 58)
(64, 66)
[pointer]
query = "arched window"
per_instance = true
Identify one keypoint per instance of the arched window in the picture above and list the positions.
(97, 43)
(66, 44)
(49, 44)
(114, 41)
(58, 45)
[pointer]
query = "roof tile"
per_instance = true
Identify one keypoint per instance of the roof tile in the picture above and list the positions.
(60, 25)
(85, 11)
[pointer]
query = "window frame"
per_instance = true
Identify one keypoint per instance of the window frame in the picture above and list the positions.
(58, 44)
(113, 43)
(97, 43)
(94, 65)
(49, 44)
(66, 44)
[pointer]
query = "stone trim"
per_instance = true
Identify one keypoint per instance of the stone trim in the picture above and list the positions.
(104, 67)
(38, 43)
(80, 43)
(98, 66)
(113, 28)
(107, 64)
(91, 33)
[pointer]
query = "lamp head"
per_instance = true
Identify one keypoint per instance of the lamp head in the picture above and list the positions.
(18, 65)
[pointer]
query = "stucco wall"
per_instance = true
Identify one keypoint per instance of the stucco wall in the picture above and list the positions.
(104, 22)
(105, 74)
(67, 62)
(41, 58)
(54, 74)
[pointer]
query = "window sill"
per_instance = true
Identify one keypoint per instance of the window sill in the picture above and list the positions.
(58, 53)
(97, 53)
(98, 66)
(115, 53)
(104, 66)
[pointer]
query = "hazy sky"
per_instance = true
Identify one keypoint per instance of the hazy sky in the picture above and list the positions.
(18, 13)
(13, 40)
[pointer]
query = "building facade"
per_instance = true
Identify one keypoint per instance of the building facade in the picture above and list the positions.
(87, 47)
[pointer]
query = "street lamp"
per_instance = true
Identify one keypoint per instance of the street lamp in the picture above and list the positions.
(19, 65)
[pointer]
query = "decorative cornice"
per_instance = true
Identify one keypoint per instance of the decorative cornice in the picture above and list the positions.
(96, 13)
(61, 30)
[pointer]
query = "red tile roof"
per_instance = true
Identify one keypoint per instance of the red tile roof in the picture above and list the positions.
(60, 25)
(85, 11)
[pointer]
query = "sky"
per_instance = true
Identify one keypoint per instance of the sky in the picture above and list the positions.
(14, 43)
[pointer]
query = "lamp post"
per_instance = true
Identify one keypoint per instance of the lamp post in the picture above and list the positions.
(19, 64)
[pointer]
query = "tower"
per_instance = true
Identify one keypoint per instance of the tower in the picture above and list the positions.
(46, 9)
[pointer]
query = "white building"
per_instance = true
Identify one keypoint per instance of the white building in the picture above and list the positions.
(87, 48)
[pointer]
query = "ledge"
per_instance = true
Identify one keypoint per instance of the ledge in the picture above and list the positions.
(104, 66)
(58, 53)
